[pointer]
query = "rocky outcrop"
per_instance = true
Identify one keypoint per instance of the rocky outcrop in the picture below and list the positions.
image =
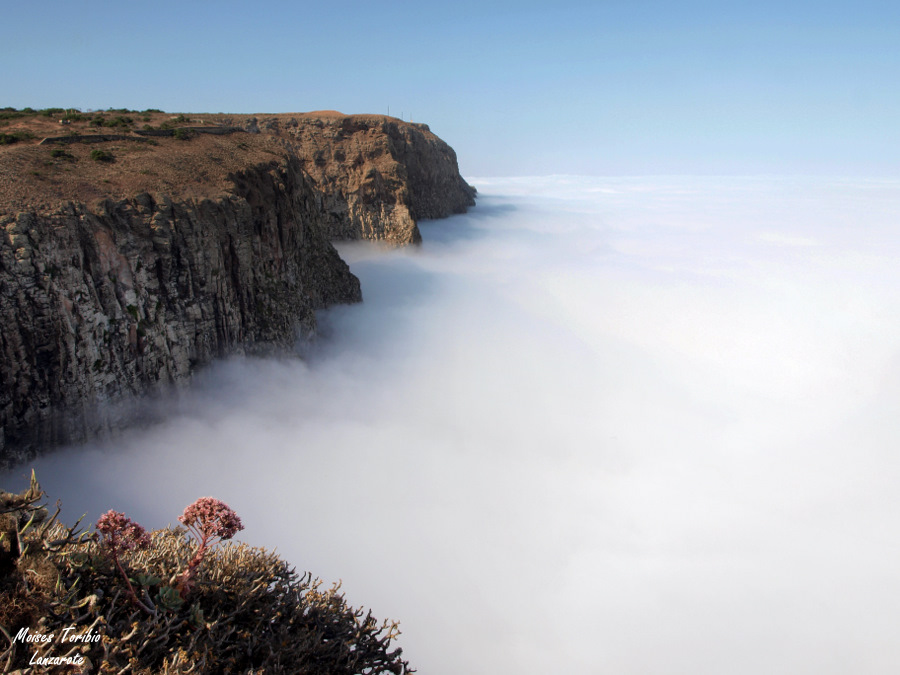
(98, 305)
(119, 277)
(378, 175)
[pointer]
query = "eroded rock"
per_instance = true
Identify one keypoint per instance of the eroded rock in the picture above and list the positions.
(101, 305)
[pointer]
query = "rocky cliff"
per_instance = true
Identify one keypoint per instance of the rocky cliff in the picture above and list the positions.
(378, 175)
(120, 275)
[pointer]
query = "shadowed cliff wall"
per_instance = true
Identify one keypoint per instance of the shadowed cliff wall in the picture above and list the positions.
(99, 305)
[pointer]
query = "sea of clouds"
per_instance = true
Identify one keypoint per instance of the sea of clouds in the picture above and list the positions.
(596, 425)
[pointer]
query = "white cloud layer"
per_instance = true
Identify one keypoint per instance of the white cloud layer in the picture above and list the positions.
(596, 425)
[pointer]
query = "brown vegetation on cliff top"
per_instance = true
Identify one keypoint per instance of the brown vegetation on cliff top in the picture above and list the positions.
(41, 177)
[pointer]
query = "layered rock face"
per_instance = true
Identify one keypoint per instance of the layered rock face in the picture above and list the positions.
(100, 304)
(378, 175)
(119, 275)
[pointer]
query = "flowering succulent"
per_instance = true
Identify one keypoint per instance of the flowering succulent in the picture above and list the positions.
(253, 614)
(209, 518)
(119, 534)
(210, 521)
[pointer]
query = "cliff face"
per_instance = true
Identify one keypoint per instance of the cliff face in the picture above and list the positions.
(128, 259)
(378, 175)
(100, 304)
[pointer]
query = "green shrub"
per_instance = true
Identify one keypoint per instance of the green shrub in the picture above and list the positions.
(118, 121)
(5, 116)
(15, 137)
(175, 121)
(99, 155)
(61, 153)
(183, 134)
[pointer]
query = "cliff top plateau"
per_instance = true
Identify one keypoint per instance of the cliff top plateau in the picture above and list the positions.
(55, 156)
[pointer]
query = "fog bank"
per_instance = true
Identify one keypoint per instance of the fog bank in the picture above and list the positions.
(596, 426)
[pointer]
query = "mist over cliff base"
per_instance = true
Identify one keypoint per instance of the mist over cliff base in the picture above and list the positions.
(624, 425)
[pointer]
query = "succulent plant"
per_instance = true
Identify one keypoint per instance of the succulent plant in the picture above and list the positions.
(248, 611)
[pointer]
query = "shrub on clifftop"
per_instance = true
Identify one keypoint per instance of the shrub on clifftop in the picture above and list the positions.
(99, 155)
(116, 601)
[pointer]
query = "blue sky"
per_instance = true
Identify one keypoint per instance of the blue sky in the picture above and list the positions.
(517, 88)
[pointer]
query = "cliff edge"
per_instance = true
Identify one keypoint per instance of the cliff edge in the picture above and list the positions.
(378, 175)
(129, 258)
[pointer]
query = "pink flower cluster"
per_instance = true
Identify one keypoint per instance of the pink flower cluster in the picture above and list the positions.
(121, 533)
(211, 521)
(209, 517)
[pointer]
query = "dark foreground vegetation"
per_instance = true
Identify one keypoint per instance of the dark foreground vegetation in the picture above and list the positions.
(122, 600)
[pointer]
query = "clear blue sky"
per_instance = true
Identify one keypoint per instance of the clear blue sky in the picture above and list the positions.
(517, 88)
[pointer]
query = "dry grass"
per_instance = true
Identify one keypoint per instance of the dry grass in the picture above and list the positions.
(32, 178)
